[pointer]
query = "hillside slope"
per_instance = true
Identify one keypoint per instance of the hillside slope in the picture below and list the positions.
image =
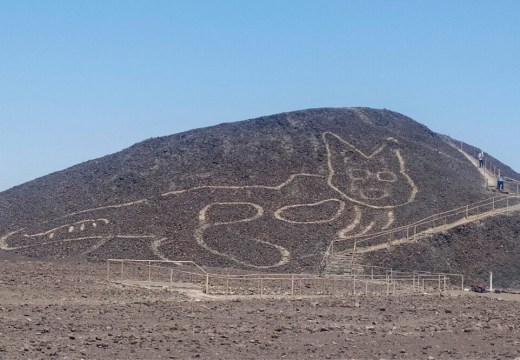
(268, 193)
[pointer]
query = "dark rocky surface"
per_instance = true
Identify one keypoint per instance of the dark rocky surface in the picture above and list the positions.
(65, 310)
(266, 194)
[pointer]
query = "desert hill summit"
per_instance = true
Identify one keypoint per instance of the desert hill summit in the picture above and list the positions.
(268, 193)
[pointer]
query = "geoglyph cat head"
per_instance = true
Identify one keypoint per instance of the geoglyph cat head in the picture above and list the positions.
(377, 180)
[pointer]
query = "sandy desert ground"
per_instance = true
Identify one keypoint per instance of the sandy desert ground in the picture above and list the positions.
(66, 310)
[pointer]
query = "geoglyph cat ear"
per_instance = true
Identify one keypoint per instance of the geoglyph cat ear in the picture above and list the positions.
(333, 143)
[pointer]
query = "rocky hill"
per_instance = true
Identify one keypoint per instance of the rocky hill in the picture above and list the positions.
(267, 194)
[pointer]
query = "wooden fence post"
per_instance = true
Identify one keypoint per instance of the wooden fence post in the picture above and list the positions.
(227, 285)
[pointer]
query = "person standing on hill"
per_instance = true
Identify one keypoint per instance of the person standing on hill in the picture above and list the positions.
(500, 183)
(480, 159)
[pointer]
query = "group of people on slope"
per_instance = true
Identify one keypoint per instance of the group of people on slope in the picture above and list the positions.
(500, 179)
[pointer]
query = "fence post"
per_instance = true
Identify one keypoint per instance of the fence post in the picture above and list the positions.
(207, 284)
(171, 278)
(517, 188)
(292, 285)
(444, 282)
(122, 269)
(108, 269)
(462, 283)
(261, 287)
(227, 285)
(354, 284)
(440, 283)
(149, 271)
(366, 286)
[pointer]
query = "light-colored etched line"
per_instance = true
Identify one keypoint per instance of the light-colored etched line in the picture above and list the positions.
(82, 222)
(115, 206)
(367, 228)
(341, 208)
(3, 240)
(259, 213)
(284, 253)
(402, 170)
(155, 248)
(342, 234)
(236, 187)
(55, 242)
(391, 219)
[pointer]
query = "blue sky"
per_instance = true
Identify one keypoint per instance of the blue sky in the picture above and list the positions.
(83, 79)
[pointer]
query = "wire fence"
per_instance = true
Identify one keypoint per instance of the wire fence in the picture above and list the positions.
(176, 275)
(421, 228)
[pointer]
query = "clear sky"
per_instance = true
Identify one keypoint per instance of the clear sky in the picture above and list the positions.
(83, 79)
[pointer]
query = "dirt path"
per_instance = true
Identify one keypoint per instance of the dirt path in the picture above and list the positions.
(489, 178)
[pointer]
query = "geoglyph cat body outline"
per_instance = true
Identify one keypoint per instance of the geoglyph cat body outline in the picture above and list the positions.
(345, 197)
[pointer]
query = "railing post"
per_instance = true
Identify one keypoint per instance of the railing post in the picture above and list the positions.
(292, 285)
(207, 284)
(227, 285)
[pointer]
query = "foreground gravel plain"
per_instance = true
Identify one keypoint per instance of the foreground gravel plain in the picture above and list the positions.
(66, 310)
